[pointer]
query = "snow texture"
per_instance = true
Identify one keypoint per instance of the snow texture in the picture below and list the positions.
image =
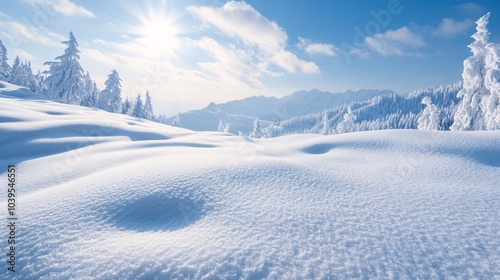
(109, 196)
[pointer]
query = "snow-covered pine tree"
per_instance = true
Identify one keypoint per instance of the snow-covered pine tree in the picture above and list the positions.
(138, 110)
(65, 81)
(470, 115)
(111, 97)
(429, 118)
(40, 83)
(491, 104)
(177, 120)
(87, 98)
(94, 95)
(347, 124)
(257, 130)
(4, 65)
(148, 107)
(22, 75)
(32, 82)
(126, 107)
(15, 73)
(223, 127)
(325, 130)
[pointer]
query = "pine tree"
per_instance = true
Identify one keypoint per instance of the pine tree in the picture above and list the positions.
(87, 92)
(177, 120)
(32, 82)
(15, 73)
(65, 82)
(40, 88)
(126, 107)
(94, 96)
(470, 115)
(347, 124)
(326, 124)
(429, 119)
(110, 99)
(223, 127)
(491, 104)
(257, 130)
(22, 75)
(148, 107)
(138, 110)
(4, 66)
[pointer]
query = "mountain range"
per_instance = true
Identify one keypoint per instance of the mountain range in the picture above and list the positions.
(241, 114)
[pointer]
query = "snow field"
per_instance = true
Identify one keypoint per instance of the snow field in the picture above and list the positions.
(138, 200)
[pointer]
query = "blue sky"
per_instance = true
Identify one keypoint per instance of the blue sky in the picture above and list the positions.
(189, 53)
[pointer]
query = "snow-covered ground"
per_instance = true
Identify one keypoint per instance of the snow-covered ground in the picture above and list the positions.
(108, 196)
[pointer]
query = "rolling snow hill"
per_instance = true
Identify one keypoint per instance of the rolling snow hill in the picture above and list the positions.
(240, 114)
(107, 196)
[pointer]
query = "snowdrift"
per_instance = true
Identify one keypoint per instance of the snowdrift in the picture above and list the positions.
(108, 196)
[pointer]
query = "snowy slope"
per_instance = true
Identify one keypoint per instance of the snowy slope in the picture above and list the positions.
(106, 196)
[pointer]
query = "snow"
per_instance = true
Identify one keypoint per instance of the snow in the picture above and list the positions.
(109, 196)
(480, 105)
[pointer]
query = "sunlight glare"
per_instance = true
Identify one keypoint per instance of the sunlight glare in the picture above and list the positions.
(158, 32)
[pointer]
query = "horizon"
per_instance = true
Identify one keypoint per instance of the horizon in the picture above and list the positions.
(192, 53)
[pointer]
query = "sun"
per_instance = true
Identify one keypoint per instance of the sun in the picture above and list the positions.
(158, 32)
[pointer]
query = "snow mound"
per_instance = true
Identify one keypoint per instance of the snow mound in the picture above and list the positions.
(106, 196)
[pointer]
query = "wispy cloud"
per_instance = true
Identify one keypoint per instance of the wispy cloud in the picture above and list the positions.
(317, 48)
(112, 60)
(20, 32)
(231, 65)
(395, 42)
(149, 74)
(23, 55)
(292, 63)
(240, 21)
(470, 8)
(450, 28)
(65, 7)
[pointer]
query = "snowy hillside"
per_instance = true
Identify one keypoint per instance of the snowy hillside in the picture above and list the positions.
(108, 196)
(240, 114)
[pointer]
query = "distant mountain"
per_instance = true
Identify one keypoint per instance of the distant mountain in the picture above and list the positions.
(240, 114)
(381, 112)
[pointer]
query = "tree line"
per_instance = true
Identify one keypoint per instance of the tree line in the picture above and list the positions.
(66, 82)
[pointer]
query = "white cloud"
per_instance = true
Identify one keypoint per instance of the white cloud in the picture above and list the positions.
(65, 7)
(147, 73)
(242, 22)
(23, 55)
(317, 48)
(231, 65)
(450, 28)
(112, 60)
(21, 32)
(291, 63)
(470, 7)
(395, 42)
